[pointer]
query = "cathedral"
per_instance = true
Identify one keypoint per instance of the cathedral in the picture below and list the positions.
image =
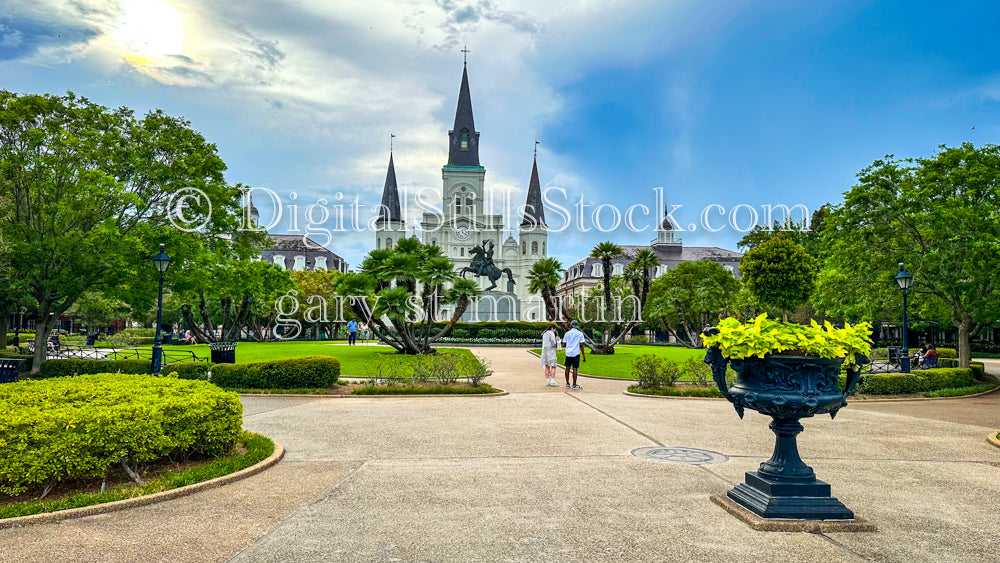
(472, 239)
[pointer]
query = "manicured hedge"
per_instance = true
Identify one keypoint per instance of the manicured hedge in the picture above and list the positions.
(25, 365)
(188, 370)
(293, 373)
(75, 427)
(946, 352)
(75, 366)
(916, 382)
(678, 391)
(978, 369)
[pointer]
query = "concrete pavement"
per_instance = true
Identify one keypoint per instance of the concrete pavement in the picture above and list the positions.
(547, 474)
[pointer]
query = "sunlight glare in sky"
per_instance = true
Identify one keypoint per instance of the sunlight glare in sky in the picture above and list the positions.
(149, 28)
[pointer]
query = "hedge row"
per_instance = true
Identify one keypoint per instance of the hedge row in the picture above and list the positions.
(76, 427)
(499, 329)
(293, 373)
(76, 366)
(916, 382)
(978, 368)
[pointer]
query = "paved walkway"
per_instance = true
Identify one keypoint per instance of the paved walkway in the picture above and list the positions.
(546, 474)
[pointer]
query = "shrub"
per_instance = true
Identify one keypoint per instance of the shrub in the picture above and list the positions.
(75, 366)
(293, 373)
(978, 369)
(444, 368)
(78, 427)
(947, 353)
(385, 368)
(639, 339)
(916, 382)
(653, 372)
(697, 370)
(473, 370)
(10, 353)
(189, 370)
(646, 371)
(483, 389)
(678, 391)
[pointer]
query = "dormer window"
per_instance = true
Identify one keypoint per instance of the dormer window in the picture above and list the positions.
(464, 136)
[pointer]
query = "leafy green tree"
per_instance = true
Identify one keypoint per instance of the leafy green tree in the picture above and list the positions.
(690, 297)
(97, 310)
(90, 190)
(808, 235)
(940, 216)
(640, 272)
(397, 292)
(322, 284)
(779, 273)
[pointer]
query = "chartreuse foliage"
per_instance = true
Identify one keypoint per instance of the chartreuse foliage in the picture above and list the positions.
(71, 427)
(764, 336)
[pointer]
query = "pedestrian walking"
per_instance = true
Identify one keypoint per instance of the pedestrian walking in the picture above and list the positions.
(352, 332)
(573, 340)
(550, 343)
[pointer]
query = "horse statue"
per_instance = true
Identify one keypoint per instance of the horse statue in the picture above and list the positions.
(482, 265)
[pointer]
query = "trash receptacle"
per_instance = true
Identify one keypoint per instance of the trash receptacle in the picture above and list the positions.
(223, 352)
(91, 339)
(9, 369)
(168, 338)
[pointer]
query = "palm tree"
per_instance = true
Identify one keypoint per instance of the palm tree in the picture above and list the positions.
(543, 277)
(643, 263)
(605, 252)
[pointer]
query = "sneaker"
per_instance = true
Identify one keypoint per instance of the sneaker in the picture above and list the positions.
(577, 388)
(567, 386)
(552, 383)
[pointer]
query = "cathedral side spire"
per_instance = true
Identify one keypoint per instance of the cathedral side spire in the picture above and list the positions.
(389, 210)
(463, 138)
(534, 211)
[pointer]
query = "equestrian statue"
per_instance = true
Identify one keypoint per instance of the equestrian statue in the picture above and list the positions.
(482, 265)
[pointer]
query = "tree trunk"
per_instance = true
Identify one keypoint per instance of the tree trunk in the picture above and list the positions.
(43, 328)
(964, 341)
(4, 325)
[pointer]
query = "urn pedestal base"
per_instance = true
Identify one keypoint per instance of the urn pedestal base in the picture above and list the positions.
(806, 500)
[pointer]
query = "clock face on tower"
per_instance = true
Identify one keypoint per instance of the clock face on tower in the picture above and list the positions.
(462, 232)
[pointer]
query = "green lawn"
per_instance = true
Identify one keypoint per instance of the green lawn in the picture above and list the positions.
(352, 358)
(619, 364)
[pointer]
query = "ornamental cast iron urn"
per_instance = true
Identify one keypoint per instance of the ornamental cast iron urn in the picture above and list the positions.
(786, 388)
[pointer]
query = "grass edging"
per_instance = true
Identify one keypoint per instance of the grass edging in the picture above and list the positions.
(114, 506)
(631, 394)
(854, 398)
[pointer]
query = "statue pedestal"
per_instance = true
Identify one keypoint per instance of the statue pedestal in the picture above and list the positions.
(493, 306)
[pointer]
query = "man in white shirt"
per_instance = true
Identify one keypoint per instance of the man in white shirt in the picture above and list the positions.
(574, 351)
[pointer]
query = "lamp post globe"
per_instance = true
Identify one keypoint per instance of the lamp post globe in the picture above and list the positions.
(904, 280)
(161, 261)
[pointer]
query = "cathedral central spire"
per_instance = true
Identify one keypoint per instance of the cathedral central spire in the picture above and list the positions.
(463, 149)
(389, 210)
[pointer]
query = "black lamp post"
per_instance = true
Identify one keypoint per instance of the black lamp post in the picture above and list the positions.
(162, 262)
(20, 322)
(905, 280)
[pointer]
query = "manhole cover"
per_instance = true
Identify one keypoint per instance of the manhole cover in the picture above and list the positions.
(679, 455)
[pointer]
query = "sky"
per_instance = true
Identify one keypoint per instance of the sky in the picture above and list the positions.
(737, 104)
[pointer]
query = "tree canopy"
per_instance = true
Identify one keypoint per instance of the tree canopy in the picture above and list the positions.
(690, 297)
(940, 217)
(779, 273)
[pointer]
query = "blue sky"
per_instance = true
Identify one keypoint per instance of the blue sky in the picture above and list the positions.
(718, 102)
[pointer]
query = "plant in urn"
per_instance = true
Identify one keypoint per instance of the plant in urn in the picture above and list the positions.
(788, 372)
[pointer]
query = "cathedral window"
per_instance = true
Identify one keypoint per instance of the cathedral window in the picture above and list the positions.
(464, 136)
(469, 205)
(524, 247)
(388, 244)
(534, 247)
(461, 251)
(543, 249)
(458, 204)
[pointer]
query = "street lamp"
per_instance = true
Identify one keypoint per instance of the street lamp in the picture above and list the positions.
(162, 262)
(904, 280)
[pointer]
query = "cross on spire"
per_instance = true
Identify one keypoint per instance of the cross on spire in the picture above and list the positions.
(536, 147)
(391, 137)
(465, 55)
